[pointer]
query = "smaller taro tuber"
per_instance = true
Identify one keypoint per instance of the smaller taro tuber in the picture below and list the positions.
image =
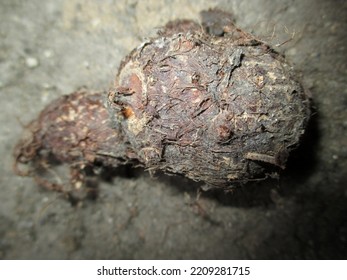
(73, 129)
(209, 102)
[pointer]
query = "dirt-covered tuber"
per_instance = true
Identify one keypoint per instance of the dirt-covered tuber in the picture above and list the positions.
(209, 102)
(74, 129)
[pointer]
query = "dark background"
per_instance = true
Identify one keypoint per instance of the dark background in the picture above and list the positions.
(50, 48)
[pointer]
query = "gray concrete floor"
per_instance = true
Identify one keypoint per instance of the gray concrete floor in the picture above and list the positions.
(50, 48)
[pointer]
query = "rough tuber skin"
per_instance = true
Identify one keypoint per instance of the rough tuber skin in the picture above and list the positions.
(211, 108)
(209, 102)
(73, 129)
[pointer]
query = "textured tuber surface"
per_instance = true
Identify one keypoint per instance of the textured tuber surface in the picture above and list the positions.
(208, 102)
(74, 129)
(214, 109)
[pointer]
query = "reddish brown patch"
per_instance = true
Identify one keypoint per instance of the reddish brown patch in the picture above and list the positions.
(127, 112)
(135, 83)
(186, 45)
(224, 132)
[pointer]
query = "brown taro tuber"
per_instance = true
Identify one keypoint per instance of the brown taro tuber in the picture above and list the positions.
(209, 102)
(74, 129)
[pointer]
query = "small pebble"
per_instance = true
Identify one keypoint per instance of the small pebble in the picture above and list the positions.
(96, 22)
(86, 64)
(31, 62)
(48, 53)
(47, 86)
